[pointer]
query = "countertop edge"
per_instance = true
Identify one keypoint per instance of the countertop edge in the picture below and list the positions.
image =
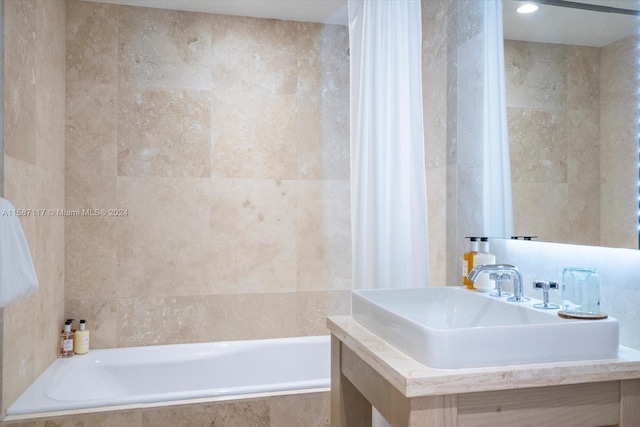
(412, 378)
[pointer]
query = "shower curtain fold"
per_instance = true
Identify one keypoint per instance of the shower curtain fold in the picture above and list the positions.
(388, 196)
(388, 184)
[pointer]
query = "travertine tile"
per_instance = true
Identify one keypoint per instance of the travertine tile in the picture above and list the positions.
(158, 102)
(583, 77)
(538, 146)
(252, 56)
(619, 144)
(90, 254)
(50, 93)
(309, 410)
(323, 102)
(91, 129)
(90, 191)
(541, 210)
(162, 320)
(19, 366)
(536, 74)
(131, 418)
(323, 138)
(323, 235)
(102, 318)
(90, 242)
(21, 189)
(323, 60)
(253, 226)
(199, 318)
(224, 414)
(583, 176)
(260, 143)
(164, 132)
(437, 217)
(314, 307)
(619, 72)
(163, 48)
(252, 316)
(92, 44)
(434, 92)
(20, 135)
(34, 179)
(163, 242)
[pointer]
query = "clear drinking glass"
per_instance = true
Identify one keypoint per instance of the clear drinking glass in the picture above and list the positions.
(581, 292)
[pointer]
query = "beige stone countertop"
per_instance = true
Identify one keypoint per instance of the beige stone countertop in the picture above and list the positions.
(412, 378)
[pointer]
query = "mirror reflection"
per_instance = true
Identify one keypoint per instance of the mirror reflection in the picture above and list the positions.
(572, 104)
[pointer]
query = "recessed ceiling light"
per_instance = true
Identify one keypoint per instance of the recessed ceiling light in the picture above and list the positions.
(527, 8)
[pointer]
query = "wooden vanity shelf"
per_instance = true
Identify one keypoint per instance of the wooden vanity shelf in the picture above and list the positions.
(367, 371)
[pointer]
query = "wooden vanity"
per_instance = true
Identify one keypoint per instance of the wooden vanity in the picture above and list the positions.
(367, 371)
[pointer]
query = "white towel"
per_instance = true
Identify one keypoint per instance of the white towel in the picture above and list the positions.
(17, 275)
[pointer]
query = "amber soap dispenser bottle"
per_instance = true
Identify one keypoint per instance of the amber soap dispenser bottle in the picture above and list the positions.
(66, 341)
(467, 262)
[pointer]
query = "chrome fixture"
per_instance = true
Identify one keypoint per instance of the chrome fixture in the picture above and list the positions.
(500, 278)
(500, 270)
(546, 287)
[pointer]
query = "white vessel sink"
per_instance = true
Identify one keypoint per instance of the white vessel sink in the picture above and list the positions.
(452, 327)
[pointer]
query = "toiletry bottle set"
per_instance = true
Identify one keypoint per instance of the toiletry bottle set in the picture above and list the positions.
(73, 341)
(478, 255)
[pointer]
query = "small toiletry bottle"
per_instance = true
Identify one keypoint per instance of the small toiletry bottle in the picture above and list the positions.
(484, 283)
(81, 339)
(66, 341)
(467, 262)
(69, 321)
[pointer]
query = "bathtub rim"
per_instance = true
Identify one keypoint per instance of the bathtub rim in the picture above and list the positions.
(308, 388)
(165, 404)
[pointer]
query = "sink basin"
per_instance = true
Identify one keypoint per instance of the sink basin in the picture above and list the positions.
(451, 327)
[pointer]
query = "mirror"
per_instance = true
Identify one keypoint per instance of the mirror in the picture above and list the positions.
(572, 105)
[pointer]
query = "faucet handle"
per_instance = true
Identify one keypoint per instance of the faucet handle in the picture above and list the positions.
(546, 287)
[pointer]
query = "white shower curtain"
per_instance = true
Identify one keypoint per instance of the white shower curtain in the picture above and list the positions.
(388, 188)
(388, 185)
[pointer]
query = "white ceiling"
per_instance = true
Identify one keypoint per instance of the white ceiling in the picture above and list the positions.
(322, 11)
(551, 24)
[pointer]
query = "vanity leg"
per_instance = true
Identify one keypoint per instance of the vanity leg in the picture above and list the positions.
(349, 408)
(629, 403)
(436, 411)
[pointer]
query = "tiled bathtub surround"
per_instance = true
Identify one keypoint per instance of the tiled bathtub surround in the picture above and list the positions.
(34, 179)
(574, 140)
(226, 139)
(312, 410)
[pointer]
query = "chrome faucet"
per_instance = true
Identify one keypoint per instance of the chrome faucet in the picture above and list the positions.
(502, 269)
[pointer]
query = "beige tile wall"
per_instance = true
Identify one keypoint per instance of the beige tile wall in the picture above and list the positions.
(553, 103)
(226, 140)
(619, 118)
(34, 179)
(436, 25)
(573, 115)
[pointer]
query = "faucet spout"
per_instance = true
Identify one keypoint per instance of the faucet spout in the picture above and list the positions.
(506, 269)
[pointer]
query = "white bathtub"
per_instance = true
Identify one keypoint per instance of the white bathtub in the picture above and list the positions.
(141, 375)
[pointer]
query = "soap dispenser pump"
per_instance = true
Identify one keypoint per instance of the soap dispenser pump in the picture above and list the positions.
(484, 257)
